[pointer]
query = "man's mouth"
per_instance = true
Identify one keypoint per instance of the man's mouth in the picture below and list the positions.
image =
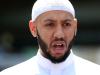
(58, 47)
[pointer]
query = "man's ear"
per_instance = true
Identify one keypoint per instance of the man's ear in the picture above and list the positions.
(75, 20)
(32, 27)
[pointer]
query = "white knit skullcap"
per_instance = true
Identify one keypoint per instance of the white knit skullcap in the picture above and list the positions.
(41, 6)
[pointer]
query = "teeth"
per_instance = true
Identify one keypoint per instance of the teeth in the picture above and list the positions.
(58, 44)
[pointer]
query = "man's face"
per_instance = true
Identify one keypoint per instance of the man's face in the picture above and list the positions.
(55, 31)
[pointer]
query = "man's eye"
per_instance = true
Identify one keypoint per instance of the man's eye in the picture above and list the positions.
(67, 24)
(50, 24)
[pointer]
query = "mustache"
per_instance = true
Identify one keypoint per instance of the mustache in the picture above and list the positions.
(58, 39)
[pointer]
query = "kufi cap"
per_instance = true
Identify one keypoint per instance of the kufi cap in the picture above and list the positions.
(42, 6)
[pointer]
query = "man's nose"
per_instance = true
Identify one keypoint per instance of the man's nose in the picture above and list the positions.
(59, 32)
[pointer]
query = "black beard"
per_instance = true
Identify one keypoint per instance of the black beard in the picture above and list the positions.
(44, 49)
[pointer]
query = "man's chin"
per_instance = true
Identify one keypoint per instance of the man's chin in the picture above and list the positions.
(58, 56)
(58, 59)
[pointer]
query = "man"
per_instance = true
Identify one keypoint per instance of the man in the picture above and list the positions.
(55, 26)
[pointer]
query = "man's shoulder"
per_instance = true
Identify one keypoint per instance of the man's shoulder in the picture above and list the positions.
(86, 67)
(22, 68)
(82, 61)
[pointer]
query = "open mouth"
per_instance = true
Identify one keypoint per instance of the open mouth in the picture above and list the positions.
(58, 46)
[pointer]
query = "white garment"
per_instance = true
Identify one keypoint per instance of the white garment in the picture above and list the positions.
(38, 65)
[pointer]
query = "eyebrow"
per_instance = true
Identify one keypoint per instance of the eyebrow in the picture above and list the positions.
(55, 20)
(49, 20)
(67, 20)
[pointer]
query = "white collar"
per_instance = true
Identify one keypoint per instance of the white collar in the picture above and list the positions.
(47, 64)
